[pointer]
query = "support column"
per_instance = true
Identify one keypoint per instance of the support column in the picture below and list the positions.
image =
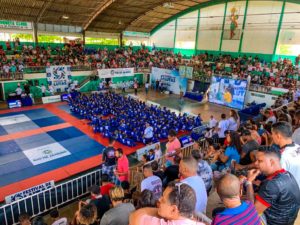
(35, 33)
(197, 32)
(121, 39)
(174, 43)
(83, 37)
(279, 27)
(222, 34)
(244, 24)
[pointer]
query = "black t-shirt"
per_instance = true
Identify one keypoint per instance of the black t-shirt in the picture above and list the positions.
(172, 173)
(102, 204)
(280, 193)
(247, 149)
(109, 156)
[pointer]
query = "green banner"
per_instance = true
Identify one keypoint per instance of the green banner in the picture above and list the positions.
(15, 24)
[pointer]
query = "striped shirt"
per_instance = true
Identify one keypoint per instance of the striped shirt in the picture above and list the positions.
(243, 214)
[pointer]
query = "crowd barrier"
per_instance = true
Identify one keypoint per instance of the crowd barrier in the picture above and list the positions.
(11, 76)
(66, 192)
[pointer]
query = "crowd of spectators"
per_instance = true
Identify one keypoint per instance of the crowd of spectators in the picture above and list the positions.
(281, 73)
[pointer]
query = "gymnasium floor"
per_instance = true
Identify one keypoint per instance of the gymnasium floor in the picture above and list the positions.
(45, 142)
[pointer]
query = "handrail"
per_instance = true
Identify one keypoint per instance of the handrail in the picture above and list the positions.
(11, 76)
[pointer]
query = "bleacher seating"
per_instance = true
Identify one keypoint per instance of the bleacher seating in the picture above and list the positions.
(251, 112)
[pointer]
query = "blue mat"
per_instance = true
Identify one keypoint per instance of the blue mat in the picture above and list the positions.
(31, 119)
(15, 164)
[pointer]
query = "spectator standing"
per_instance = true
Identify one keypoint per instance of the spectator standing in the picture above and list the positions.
(222, 127)
(151, 182)
(106, 185)
(233, 121)
(176, 207)
(147, 87)
(119, 214)
(102, 203)
(296, 134)
(122, 169)
(109, 159)
(135, 86)
(51, 89)
(54, 214)
(173, 146)
(212, 122)
(19, 91)
(236, 211)
(188, 171)
(278, 197)
(290, 152)
(148, 133)
(157, 152)
(43, 89)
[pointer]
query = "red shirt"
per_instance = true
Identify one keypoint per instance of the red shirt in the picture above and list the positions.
(123, 167)
(104, 190)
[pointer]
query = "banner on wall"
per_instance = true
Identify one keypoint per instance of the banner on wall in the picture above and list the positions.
(59, 77)
(15, 24)
(186, 71)
(169, 79)
(118, 72)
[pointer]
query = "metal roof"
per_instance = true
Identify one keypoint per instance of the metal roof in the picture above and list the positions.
(113, 16)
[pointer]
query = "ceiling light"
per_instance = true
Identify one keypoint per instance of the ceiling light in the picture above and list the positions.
(120, 22)
(65, 17)
(168, 5)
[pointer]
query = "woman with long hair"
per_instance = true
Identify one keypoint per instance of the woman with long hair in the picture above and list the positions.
(234, 121)
(232, 152)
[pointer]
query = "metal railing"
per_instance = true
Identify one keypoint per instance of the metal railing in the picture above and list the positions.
(44, 201)
(11, 75)
(67, 191)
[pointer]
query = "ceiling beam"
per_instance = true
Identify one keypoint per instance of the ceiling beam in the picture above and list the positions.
(98, 10)
(45, 6)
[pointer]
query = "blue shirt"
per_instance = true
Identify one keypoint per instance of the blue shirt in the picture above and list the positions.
(232, 154)
(198, 186)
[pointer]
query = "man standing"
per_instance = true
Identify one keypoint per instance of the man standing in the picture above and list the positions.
(109, 159)
(148, 133)
(222, 127)
(278, 197)
(147, 87)
(151, 182)
(122, 170)
(19, 91)
(135, 86)
(296, 134)
(188, 171)
(212, 122)
(290, 152)
(173, 146)
(43, 89)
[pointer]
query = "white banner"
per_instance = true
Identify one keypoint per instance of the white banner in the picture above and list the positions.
(59, 77)
(9, 120)
(15, 24)
(118, 72)
(50, 99)
(30, 191)
(169, 80)
(145, 150)
(46, 153)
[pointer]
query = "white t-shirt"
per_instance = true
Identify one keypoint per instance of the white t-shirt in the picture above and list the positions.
(223, 125)
(148, 132)
(158, 154)
(296, 136)
(61, 221)
(271, 119)
(212, 122)
(233, 125)
(290, 159)
(43, 88)
(153, 184)
(19, 91)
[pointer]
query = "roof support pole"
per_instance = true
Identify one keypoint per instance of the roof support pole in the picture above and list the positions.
(121, 40)
(83, 37)
(244, 24)
(35, 33)
(279, 27)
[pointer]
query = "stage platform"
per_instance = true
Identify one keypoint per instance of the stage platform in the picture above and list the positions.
(44, 143)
